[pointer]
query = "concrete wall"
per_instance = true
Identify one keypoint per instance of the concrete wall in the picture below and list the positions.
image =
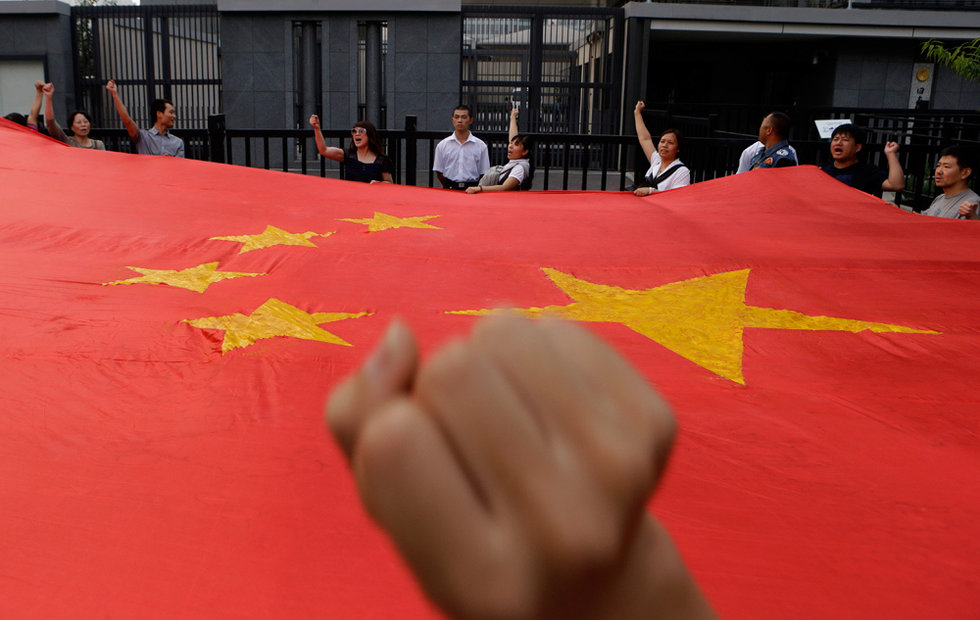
(257, 68)
(879, 75)
(41, 29)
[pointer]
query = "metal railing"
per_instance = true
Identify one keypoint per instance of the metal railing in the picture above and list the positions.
(561, 161)
(931, 5)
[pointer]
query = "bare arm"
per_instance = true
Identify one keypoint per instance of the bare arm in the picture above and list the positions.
(513, 124)
(642, 133)
(506, 419)
(127, 120)
(509, 184)
(49, 120)
(330, 152)
(36, 105)
(443, 180)
(896, 176)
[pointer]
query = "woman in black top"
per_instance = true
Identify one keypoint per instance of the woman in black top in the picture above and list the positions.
(364, 160)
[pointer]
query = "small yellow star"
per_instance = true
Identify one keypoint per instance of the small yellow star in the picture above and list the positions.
(271, 319)
(193, 278)
(383, 221)
(272, 236)
(701, 319)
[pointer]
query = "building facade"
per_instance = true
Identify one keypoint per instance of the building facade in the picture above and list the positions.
(348, 59)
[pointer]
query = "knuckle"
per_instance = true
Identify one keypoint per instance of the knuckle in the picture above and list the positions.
(446, 369)
(582, 541)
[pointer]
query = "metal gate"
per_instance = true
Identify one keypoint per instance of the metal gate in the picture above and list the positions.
(152, 52)
(563, 66)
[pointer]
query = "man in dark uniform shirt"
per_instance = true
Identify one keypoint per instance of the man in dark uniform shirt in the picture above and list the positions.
(776, 151)
(845, 144)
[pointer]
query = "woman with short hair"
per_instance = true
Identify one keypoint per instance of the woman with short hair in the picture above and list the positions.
(79, 122)
(666, 171)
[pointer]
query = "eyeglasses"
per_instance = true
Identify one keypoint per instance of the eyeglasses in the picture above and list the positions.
(357, 130)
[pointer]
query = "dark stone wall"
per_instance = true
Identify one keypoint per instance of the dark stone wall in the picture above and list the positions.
(45, 35)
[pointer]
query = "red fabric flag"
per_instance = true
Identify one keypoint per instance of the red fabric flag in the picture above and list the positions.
(170, 330)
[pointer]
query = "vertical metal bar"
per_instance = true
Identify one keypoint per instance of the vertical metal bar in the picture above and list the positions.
(167, 78)
(603, 153)
(302, 153)
(411, 149)
(566, 152)
(547, 167)
(265, 152)
(248, 152)
(535, 66)
(431, 159)
(285, 154)
(97, 71)
(151, 82)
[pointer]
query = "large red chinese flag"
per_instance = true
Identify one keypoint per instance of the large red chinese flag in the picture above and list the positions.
(170, 330)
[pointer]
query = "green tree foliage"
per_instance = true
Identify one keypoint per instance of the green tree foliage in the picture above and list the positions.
(86, 44)
(964, 59)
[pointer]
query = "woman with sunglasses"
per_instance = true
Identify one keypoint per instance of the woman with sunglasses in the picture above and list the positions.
(364, 160)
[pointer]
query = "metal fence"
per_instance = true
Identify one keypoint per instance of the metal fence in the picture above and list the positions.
(152, 52)
(932, 5)
(934, 126)
(561, 161)
(563, 67)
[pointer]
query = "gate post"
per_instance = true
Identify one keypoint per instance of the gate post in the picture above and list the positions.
(216, 137)
(411, 151)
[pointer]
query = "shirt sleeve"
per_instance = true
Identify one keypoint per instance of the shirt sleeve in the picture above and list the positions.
(745, 160)
(484, 161)
(55, 130)
(438, 165)
(180, 149)
(517, 173)
(683, 177)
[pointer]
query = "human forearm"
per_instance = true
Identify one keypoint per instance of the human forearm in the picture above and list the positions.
(896, 176)
(321, 144)
(124, 116)
(508, 185)
(643, 134)
(35, 110)
(652, 582)
(641, 127)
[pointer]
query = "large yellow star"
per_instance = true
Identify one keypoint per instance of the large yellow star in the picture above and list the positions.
(271, 319)
(700, 319)
(193, 278)
(272, 236)
(383, 221)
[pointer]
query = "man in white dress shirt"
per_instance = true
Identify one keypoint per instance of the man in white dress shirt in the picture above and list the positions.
(462, 158)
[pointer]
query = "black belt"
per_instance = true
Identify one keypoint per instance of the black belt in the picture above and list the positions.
(460, 185)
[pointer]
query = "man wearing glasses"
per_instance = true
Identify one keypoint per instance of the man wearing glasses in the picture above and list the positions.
(462, 158)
